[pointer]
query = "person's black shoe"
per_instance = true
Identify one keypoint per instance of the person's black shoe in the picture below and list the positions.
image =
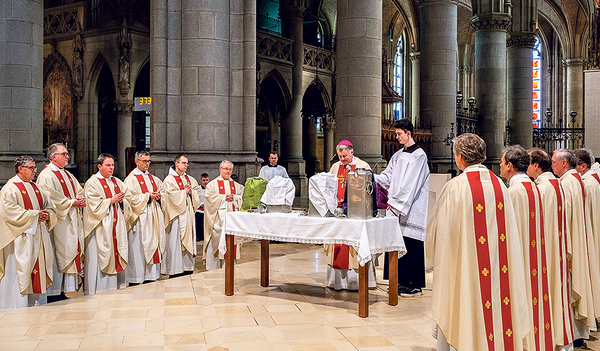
(578, 343)
(412, 293)
(56, 298)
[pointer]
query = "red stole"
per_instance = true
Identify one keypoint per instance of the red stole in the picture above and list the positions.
(341, 253)
(109, 195)
(144, 187)
(63, 185)
(567, 332)
(484, 262)
(36, 283)
(180, 183)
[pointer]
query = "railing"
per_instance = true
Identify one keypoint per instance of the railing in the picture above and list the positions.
(467, 119)
(319, 58)
(63, 20)
(274, 47)
(554, 136)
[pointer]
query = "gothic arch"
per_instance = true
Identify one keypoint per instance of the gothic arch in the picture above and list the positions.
(285, 91)
(324, 94)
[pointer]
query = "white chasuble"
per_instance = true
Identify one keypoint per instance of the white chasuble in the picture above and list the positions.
(557, 257)
(527, 202)
(106, 246)
(215, 210)
(179, 219)
(479, 286)
(146, 227)
(67, 235)
(25, 248)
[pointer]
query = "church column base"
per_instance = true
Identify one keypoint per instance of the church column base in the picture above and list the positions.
(296, 169)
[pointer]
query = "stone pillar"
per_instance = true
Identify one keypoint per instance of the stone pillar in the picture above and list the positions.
(519, 89)
(124, 136)
(358, 95)
(592, 111)
(574, 90)
(438, 75)
(415, 57)
(21, 82)
(490, 80)
(329, 144)
(291, 125)
(203, 84)
(311, 159)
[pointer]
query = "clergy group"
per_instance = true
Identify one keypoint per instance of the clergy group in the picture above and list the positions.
(56, 235)
(517, 267)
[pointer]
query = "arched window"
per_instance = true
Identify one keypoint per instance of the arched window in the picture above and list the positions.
(398, 78)
(537, 83)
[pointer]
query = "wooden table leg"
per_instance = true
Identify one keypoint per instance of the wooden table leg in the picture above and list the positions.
(393, 278)
(229, 256)
(264, 263)
(363, 290)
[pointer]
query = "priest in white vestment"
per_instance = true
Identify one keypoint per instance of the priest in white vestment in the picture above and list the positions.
(527, 203)
(145, 224)
(181, 199)
(223, 195)
(272, 169)
(557, 256)
(479, 287)
(67, 235)
(106, 247)
(406, 178)
(342, 262)
(578, 240)
(26, 216)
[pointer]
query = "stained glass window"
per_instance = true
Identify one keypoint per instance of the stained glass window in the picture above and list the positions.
(398, 78)
(537, 83)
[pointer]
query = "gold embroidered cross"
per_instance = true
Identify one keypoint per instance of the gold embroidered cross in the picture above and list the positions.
(485, 272)
(34, 271)
(502, 237)
(488, 305)
(559, 233)
(491, 337)
(535, 330)
(500, 206)
(506, 300)
(24, 192)
(535, 301)
(142, 182)
(114, 220)
(545, 297)
(532, 243)
(532, 214)
(534, 272)
(504, 269)
(62, 181)
(547, 326)
(543, 241)
(559, 208)
(481, 240)
(182, 184)
(509, 333)
(479, 208)
(544, 269)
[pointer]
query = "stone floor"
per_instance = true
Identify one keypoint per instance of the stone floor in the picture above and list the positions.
(192, 313)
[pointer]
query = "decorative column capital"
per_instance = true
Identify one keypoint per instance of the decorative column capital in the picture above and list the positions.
(573, 62)
(491, 22)
(123, 108)
(415, 56)
(294, 12)
(525, 40)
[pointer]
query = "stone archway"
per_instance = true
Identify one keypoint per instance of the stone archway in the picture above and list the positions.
(314, 114)
(273, 103)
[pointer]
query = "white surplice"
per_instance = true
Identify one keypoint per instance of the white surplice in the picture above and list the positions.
(268, 172)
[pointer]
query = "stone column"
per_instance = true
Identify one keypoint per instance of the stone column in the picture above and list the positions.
(438, 75)
(490, 80)
(311, 159)
(415, 57)
(358, 95)
(203, 59)
(329, 144)
(291, 125)
(519, 89)
(124, 135)
(21, 82)
(574, 90)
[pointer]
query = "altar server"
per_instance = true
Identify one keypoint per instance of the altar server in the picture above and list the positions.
(106, 247)
(145, 224)
(26, 216)
(181, 200)
(553, 206)
(222, 195)
(479, 288)
(67, 235)
(577, 229)
(527, 203)
(272, 169)
(407, 179)
(342, 263)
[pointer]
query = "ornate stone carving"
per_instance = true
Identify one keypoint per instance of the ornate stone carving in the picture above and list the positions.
(415, 56)
(273, 46)
(574, 62)
(124, 42)
(78, 88)
(498, 22)
(123, 108)
(522, 40)
(318, 58)
(63, 21)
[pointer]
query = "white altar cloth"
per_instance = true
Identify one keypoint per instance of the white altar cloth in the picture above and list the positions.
(368, 237)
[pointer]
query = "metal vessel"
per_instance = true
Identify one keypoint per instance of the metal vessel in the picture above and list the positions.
(359, 197)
